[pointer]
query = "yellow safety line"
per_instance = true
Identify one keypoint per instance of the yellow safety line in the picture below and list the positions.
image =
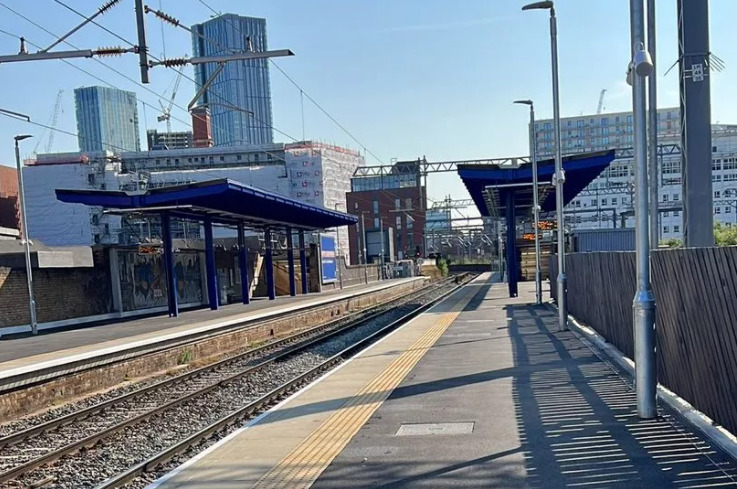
(311, 457)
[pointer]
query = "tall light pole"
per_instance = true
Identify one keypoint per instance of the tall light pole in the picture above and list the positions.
(25, 237)
(559, 177)
(643, 305)
(535, 204)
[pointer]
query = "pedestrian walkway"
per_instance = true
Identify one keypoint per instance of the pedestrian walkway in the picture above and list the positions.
(480, 392)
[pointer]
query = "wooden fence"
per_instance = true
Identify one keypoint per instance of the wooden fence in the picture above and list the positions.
(696, 299)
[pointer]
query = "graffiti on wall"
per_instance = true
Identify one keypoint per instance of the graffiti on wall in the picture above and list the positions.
(143, 279)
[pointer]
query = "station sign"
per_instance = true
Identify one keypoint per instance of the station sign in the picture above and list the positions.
(150, 250)
(328, 260)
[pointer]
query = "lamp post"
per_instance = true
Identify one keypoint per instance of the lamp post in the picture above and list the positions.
(643, 305)
(535, 204)
(25, 237)
(559, 177)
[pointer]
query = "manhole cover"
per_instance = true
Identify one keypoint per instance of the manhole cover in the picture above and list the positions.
(420, 429)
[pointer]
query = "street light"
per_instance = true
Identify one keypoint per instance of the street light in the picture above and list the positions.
(643, 305)
(559, 177)
(24, 236)
(535, 204)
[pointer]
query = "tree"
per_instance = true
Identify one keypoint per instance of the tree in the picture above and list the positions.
(725, 234)
(672, 243)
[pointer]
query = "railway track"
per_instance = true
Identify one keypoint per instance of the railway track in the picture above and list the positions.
(148, 426)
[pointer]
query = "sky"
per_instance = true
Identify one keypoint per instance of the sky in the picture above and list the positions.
(407, 78)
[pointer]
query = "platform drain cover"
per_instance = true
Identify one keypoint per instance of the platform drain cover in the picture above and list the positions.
(420, 429)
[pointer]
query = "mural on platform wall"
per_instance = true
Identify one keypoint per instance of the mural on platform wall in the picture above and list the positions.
(143, 279)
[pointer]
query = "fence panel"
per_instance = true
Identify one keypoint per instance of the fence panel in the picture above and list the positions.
(696, 297)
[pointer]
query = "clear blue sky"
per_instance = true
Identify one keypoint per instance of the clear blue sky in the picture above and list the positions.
(406, 77)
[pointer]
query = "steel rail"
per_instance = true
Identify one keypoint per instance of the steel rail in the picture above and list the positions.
(273, 396)
(324, 332)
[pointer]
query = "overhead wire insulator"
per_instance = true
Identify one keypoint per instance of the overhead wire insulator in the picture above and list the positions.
(163, 16)
(169, 63)
(107, 6)
(110, 51)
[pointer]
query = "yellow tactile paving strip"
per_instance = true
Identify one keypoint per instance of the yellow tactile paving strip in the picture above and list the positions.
(312, 456)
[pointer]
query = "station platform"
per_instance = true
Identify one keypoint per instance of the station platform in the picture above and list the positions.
(21, 354)
(478, 392)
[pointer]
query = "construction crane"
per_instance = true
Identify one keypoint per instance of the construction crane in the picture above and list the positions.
(166, 111)
(601, 102)
(52, 124)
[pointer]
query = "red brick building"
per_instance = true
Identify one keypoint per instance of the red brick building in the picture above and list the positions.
(399, 200)
(9, 204)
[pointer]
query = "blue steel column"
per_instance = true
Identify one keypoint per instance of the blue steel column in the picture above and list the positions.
(269, 262)
(511, 244)
(212, 280)
(243, 263)
(171, 277)
(303, 262)
(290, 261)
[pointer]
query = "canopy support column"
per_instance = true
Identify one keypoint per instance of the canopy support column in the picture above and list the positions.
(290, 261)
(511, 218)
(269, 263)
(303, 262)
(243, 264)
(212, 280)
(171, 277)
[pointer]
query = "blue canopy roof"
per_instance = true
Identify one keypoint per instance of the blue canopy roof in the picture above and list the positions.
(223, 200)
(488, 184)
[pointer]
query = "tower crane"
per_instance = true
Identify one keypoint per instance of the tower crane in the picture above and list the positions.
(166, 110)
(52, 124)
(601, 102)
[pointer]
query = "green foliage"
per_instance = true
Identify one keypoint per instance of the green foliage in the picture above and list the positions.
(443, 266)
(185, 357)
(725, 234)
(672, 243)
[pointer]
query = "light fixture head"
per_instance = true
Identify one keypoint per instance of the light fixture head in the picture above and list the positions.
(21, 137)
(523, 102)
(547, 5)
(642, 61)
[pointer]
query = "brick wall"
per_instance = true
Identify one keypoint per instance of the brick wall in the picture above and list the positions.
(60, 293)
(9, 206)
(410, 209)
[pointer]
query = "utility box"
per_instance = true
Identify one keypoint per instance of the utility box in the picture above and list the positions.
(373, 245)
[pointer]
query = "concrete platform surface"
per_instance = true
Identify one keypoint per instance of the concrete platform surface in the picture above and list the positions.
(480, 392)
(18, 352)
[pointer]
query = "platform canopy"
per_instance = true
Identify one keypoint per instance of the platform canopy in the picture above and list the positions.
(490, 184)
(224, 201)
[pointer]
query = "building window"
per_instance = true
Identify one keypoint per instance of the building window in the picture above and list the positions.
(604, 201)
(376, 222)
(676, 197)
(665, 197)
(376, 206)
(614, 201)
(238, 157)
(398, 221)
(716, 165)
(594, 203)
(676, 229)
(666, 214)
(666, 230)
(717, 210)
(397, 204)
(717, 194)
(579, 123)
(410, 223)
(727, 209)
(408, 203)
